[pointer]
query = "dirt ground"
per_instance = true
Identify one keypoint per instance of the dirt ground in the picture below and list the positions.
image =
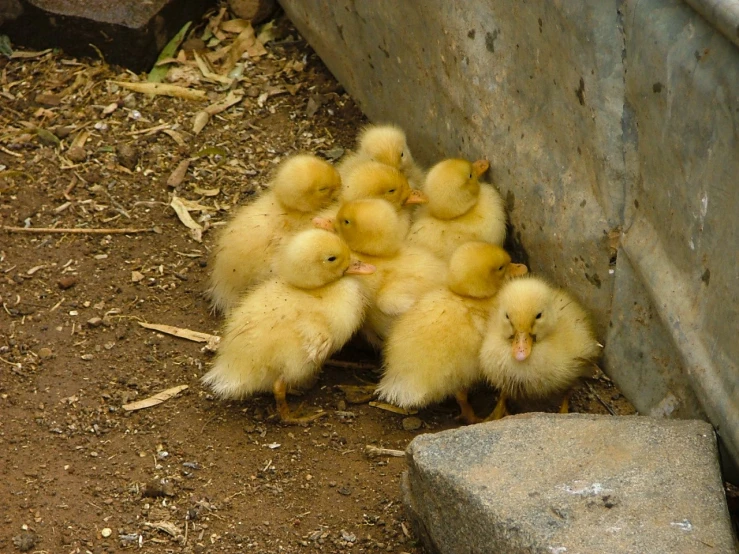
(79, 472)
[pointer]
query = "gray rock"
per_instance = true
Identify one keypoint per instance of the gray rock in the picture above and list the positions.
(130, 33)
(568, 484)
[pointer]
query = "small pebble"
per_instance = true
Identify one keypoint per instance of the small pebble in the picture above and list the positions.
(44, 353)
(412, 423)
(66, 282)
(94, 322)
(127, 156)
(106, 532)
(77, 154)
(25, 541)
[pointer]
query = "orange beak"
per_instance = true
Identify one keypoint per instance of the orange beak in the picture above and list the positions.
(517, 270)
(324, 223)
(357, 267)
(479, 167)
(522, 343)
(416, 197)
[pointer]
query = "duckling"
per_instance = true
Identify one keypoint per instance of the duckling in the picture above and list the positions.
(537, 343)
(386, 144)
(432, 350)
(302, 186)
(459, 209)
(283, 330)
(375, 232)
(370, 179)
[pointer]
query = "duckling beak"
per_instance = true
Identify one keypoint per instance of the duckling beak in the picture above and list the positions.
(522, 343)
(517, 270)
(359, 268)
(416, 197)
(324, 223)
(479, 167)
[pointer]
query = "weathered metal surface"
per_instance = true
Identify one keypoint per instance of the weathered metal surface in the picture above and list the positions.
(130, 33)
(683, 231)
(586, 111)
(722, 14)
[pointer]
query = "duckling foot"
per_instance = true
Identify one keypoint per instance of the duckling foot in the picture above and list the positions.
(287, 417)
(565, 407)
(500, 410)
(283, 409)
(467, 412)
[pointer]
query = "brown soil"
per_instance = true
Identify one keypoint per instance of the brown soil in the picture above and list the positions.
(193, 474)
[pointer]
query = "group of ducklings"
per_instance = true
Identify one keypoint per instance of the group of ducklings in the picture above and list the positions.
(413, 259)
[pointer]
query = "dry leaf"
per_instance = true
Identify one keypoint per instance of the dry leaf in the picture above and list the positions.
(158, 398)
(162, 89)
(192, 206)
(79, 140)
(183, 214)
(207, 70)
(110, 108)
(245, 42)
(391, 408)
(195, 336)
(166, 526)
(175, 136)
(232, 98)
(200, 121)
(235, 25)
(178, 175)
(206, 192)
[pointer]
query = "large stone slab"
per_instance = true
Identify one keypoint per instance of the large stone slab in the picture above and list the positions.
(130, 33)
(567, 484)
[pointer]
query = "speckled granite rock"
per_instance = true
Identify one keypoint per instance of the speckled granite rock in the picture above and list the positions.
(567, 484)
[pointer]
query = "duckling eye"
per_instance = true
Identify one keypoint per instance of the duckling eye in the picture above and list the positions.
(331, 258)
(323, 189)
(501, 268)
(538, 316)
(470, 177)
(506, 316)
(347, 222)
(402, 154)
(391, 191)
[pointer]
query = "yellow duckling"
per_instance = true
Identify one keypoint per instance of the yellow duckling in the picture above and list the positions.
(370, 179)
(432, 351)
(538, 342)
(283, 330)
(460, 208)
(386, 144)
(302, 186)
(375, 232)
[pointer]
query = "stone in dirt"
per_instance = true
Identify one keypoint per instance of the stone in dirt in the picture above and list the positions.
(130, 33)
(566, 484)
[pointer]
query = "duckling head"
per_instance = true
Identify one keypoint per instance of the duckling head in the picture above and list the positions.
(386, 144)
(526, 314)
(452, 187)
(479, 269)
(306, 183)
(316, 258)
(371, 226)
(377, 180)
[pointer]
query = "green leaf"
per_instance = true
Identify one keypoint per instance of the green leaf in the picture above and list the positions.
(158, 72)
(5, 47)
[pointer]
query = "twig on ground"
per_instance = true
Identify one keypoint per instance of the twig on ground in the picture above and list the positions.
(77, 231)
(377, 452)
(603, 402)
